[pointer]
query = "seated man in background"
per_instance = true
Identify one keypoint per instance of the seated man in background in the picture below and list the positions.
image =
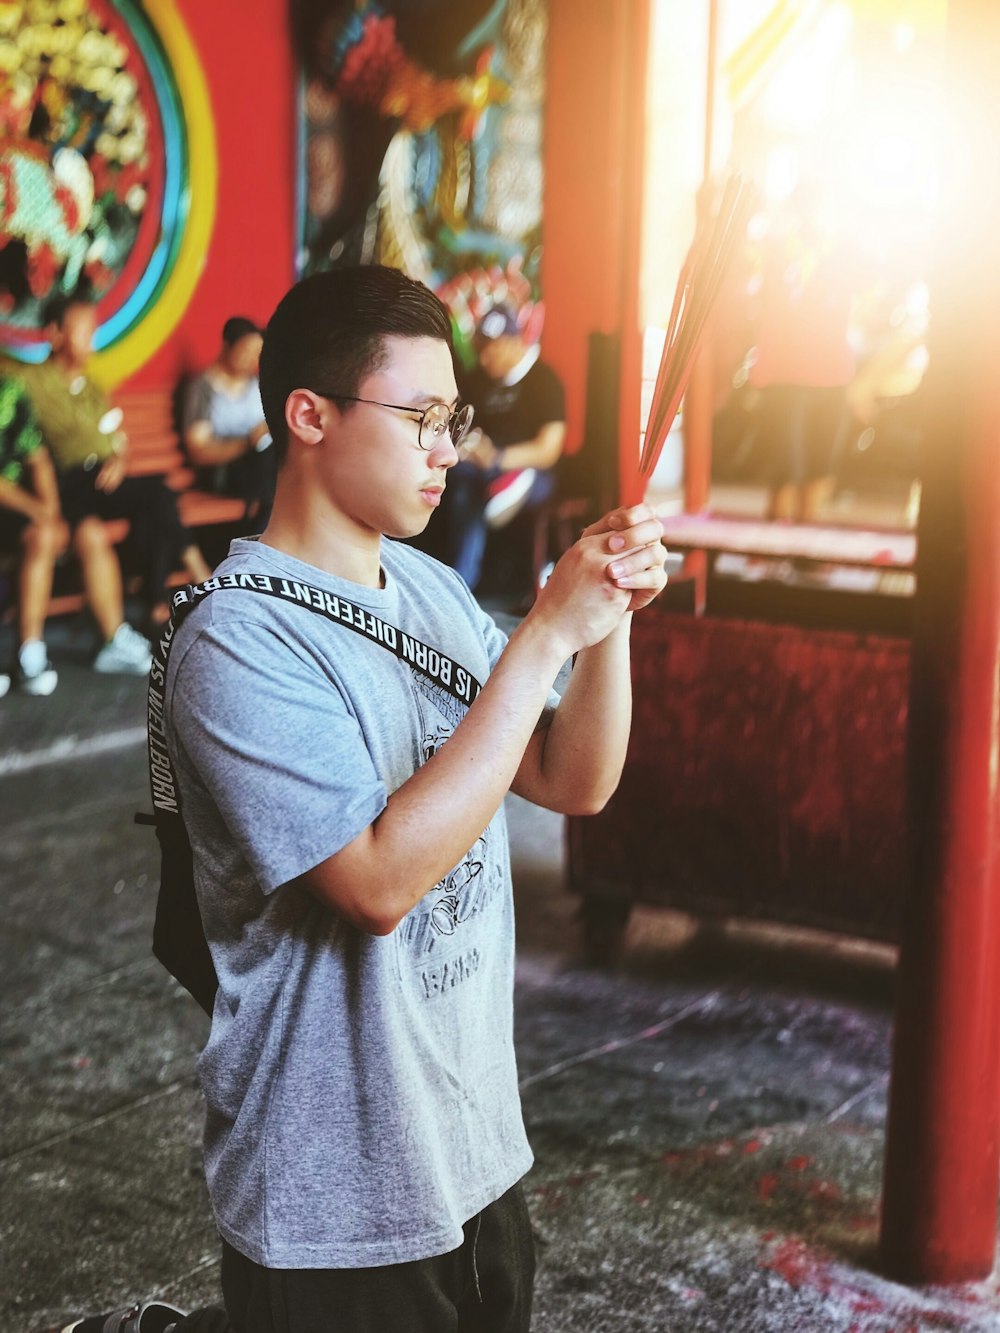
(520, 413)
(225, 434)
(90, 453)
(30, 522)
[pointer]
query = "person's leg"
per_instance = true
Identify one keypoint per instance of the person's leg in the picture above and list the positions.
(484, 1286)
(509, 571)
(41, 542)
(825, 433)
(503, 1259)
(252, 478)
(40, 545)
(781, 432)
(195, 564)
(102, 575)
(156, 532)
(418, 1297)
(462, 519)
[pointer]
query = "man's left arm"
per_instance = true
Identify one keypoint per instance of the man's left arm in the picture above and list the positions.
(574, 763)
(541, 451)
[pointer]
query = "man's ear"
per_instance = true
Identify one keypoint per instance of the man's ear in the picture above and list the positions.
(302, 416)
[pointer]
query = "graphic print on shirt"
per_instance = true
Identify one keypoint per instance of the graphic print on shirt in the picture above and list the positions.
(436, 922)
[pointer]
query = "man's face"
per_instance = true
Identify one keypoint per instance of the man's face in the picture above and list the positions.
(74, 338)
(373, 468)
(243, 356)
(499, 356)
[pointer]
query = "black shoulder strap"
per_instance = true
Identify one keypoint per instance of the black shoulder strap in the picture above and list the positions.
(178, 935)
(441, 670)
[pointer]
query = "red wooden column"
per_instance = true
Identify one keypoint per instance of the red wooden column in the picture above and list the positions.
(696, 421)
(595, 106)
(942, 1168)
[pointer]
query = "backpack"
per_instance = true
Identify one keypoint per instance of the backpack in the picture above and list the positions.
(178, 933)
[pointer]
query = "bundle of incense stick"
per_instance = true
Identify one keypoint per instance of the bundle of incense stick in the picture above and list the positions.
(697, 288)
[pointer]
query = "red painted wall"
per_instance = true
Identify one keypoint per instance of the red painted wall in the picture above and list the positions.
(593, 155)
(246, 55)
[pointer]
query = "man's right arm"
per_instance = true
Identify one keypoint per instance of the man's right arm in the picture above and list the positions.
(204, 450)
(431, 821)
(203, 447)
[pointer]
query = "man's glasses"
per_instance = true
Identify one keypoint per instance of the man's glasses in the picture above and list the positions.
(436, 421)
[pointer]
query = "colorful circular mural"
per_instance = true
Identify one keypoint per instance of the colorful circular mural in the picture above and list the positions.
(97, 170)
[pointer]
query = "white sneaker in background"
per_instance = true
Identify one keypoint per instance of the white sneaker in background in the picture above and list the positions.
(127, 653)
(4, 683)
(33, 672)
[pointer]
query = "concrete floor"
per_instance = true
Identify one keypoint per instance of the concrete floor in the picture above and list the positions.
(707, 1117)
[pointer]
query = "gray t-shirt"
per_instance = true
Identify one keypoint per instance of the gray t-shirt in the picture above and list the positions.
(361, 1091)
(232, 416)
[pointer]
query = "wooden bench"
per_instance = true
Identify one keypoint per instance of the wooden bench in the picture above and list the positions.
(155, 449)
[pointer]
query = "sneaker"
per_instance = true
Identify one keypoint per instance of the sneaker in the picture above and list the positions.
(33, 672)
(4, 683)
(151, 1317)
(505, 496)
(127, 652)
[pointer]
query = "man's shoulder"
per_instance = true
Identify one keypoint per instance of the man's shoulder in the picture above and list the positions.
(410, 561)
(542, 373)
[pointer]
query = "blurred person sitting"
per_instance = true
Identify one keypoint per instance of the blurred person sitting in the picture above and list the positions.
(224, 430)
(803, 361)
(29, 523)
(90, 452)
(517, 440)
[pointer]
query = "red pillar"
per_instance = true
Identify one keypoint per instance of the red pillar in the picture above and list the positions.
(696, 422)
(593, 162)
(942, 1168)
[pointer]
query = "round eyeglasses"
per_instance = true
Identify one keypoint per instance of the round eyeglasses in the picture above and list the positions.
(436, 421)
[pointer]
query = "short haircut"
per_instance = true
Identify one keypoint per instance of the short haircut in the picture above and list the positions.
(329, 333)
(56, 308)
(237, 327)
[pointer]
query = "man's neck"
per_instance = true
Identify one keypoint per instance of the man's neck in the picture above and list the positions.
(67, 364)
(326, 540)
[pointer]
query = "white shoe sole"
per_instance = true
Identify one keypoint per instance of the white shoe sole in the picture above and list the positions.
(123, 669)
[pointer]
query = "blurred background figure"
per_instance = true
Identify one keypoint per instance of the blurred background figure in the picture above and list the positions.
(802, 361)
(517, 438)
(31, 527)
(90, 451)
(225, 434)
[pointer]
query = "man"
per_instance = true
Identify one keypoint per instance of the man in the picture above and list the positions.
(342, 785)
(225, 434)
(29, 522)
(90, 453)
(520, 430)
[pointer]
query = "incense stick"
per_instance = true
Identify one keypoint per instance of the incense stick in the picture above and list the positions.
(697, 289)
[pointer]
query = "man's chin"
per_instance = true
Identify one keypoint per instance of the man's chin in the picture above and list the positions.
(404, 531)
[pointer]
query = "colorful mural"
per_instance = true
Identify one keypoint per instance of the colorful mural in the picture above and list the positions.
(94, 166)
(422, 125)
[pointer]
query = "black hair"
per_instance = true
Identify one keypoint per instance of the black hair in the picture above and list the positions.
(329, 333)
(56, 307)
(237, 327)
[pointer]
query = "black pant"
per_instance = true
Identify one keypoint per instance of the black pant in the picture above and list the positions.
(156, 534)
(251, 478)
(485, 1286)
